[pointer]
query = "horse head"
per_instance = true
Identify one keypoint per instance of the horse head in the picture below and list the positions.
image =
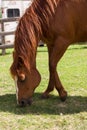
(25, 81)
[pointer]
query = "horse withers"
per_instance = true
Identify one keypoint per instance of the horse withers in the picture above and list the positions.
(58, 23)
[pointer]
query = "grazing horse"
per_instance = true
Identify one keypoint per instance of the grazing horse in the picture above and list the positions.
(58, 23)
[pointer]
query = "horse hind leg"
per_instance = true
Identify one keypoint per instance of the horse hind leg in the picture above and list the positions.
(57, 52)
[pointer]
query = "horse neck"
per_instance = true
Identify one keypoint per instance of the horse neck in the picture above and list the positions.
(45, 10)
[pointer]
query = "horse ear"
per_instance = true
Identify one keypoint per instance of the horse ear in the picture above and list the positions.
(20, 69)
(20, 62)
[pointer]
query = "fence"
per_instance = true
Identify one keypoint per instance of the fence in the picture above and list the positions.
(3, 33)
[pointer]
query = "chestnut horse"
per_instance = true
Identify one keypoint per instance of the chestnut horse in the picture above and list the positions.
(58, 23)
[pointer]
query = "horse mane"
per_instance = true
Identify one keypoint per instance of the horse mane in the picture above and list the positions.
(31, 27)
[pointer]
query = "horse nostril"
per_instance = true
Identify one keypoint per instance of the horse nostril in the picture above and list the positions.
(22, 103)
(25, 102)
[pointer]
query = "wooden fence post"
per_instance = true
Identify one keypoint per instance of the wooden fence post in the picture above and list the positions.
(3, 33)
(2, 37)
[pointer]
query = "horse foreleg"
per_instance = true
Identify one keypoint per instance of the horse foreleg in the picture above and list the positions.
(51, 76)
(60, 47)
(55, 55)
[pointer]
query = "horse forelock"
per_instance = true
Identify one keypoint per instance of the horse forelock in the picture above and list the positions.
(30, 29)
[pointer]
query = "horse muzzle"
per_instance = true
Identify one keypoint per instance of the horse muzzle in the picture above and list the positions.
(25, 102)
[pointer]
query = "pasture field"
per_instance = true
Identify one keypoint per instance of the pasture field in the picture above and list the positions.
(50, 114)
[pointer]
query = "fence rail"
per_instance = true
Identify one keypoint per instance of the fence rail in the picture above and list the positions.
(3, 33)
(7, 33)
(6, 46)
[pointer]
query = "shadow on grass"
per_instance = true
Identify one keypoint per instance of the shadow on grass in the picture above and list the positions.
(53, 105)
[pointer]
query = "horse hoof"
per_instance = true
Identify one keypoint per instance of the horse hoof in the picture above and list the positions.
(63, 96)
(63, 99)
(44, 96)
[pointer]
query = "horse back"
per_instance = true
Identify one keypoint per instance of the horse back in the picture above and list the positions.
(70, 20)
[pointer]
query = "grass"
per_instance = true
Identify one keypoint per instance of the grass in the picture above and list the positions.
(50, 114)
(0, 13)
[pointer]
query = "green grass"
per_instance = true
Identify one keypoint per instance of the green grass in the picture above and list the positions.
(0, 13)
(50, 114)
